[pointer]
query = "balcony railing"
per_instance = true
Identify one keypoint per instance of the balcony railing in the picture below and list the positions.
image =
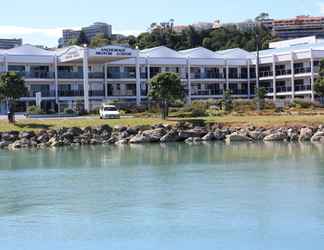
(96, 93)
(36, 74)
(68, 93)
(207, 75)
(70, 75)
(266, 73)
(283, 89)
(45, 93)
(121, 75)
(283, 72)
(302, 70)
(96, 75)
(207, 92)
(303, 87)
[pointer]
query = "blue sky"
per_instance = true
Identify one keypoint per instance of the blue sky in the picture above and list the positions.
(41, 22)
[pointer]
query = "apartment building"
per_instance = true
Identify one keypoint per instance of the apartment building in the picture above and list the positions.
(300, 26)
(10, 43)
(90, 32)
(76, 77)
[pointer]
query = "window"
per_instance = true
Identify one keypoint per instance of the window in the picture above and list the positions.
(16, 68)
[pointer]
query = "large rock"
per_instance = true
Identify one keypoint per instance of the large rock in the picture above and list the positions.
(4, 144)
(277, 136)
(195, 132)
(257, 135)
(305, 134)
(171, 136)
(10, 136)
(318, 137)
(219, 135)
(292, 134)
(236, 137)
(153, 135)
(22, 143)
(26, 135)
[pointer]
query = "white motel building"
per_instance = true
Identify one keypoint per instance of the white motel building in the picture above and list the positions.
(87, 77)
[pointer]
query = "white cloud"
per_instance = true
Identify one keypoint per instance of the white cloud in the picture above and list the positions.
(321, 7)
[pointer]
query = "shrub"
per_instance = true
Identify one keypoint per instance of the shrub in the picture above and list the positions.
(198, 113)
(35, 110)
(300, 103)
(244, 105)
(68, 111)
(199, 105)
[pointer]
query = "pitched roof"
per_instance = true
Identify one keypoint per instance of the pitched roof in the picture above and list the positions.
(160, 51)
(199, 52)
(28, 49)
(235, 53)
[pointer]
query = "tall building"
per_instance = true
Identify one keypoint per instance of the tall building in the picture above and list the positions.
(10, 43)
(300, 26)
(90, 32)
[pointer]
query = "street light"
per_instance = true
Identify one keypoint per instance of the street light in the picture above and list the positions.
(257, 41)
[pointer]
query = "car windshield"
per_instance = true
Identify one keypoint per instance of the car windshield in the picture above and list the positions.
(110, 109)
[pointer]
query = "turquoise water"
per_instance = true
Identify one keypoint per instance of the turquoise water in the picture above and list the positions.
(210, 196)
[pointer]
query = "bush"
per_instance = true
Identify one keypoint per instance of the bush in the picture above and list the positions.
(300, 103)
(95, 111)
(35, 110)
(244, 105)
(199, 105)
(68, 111)
(198, 113)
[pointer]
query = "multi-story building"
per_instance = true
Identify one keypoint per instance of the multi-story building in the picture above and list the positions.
(300, 26)
(10, 43)
(74, 76)
(90, 32)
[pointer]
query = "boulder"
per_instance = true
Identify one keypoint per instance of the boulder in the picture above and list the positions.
(26, 135)
(256, 135)
(75, 131)
(237, 137)
(292, 134)
(10, 136)
(277, 136)
(208, 137)
(153, 135)
(219, 135)
(195, 132)
(191, 140)
(4, 144)
(318, 137)
(171, 136)
(305, 134)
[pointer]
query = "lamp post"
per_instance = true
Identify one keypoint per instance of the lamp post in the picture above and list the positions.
(257, 40)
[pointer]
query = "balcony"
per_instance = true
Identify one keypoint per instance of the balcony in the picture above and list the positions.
(303, 88)
(69, 75)
(302, 70)
(207, 92)
(239, 91)
(121, 75)
(96, 93)
(36, 74)
(283, 72)
(70, 93)
(207, 75)
(96, 75)
(283, 89)
(45, 93)
(266, 73)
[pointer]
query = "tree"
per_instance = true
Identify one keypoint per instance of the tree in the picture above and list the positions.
(82, 39)
(165, 88)
(12, 87)
(262, 16)
(227, 101)
(319, 83)
(260, 94)
(99, 41)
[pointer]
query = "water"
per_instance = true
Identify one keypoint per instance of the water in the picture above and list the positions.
(211, 196)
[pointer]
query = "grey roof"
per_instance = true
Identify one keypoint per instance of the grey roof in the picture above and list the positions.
(235, 53)
(199, 52)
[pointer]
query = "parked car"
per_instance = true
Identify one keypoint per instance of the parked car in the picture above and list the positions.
(109, 112)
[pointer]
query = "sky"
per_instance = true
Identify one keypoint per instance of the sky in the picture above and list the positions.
(40, 22)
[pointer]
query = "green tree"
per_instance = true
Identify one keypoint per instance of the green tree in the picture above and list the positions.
(262, 16)
(260, 94)
(165, 88)
(319, 83)
(82, 39)
(227, 101)
(99, 41)
(12, 87)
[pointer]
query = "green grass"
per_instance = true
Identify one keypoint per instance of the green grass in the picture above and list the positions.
(229, 120)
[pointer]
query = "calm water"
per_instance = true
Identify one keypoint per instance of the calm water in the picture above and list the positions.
(212, 196)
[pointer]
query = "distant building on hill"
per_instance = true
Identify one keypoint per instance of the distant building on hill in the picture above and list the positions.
(10, 43)
(90, 32)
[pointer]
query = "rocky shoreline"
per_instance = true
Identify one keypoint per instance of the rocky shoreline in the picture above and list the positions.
(181, 132)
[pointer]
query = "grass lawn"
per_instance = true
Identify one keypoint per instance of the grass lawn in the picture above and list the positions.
(230, 120)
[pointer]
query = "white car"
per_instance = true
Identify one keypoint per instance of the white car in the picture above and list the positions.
(109, 112)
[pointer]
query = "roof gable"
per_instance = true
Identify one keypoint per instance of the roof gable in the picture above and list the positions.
(160, 51)
(236, 53)
(28, 49)
(199, 52)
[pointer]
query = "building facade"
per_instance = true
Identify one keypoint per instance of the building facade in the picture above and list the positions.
(90, 32)
(300, 26)
(83, 78)
(10, 43)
